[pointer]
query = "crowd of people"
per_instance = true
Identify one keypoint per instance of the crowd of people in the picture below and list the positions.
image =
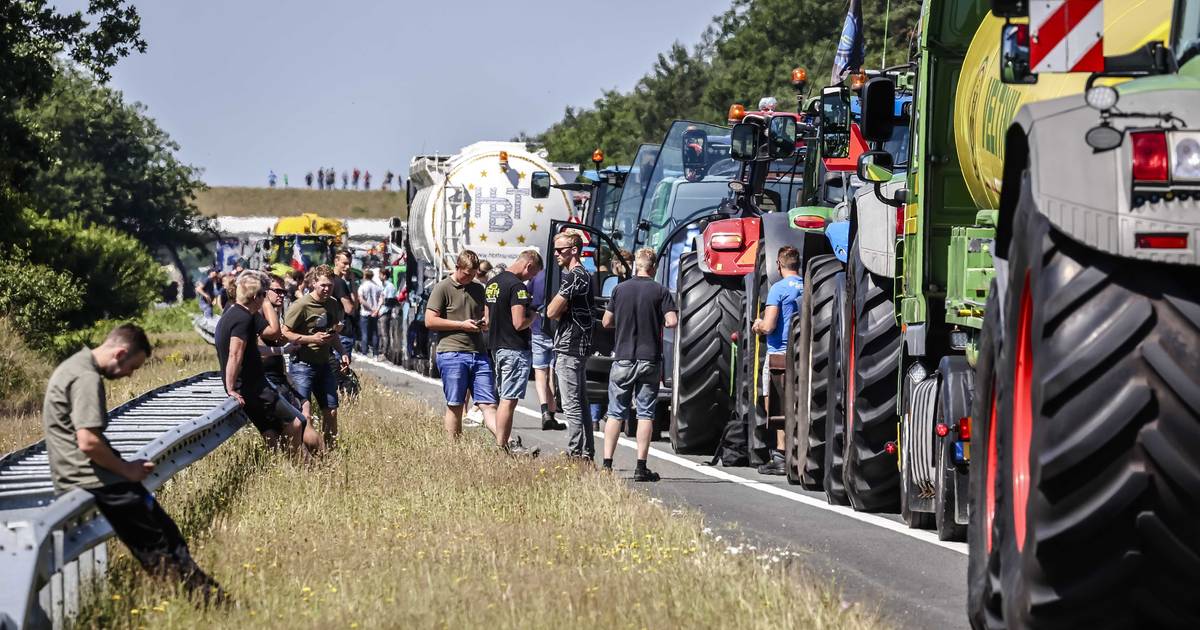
(327, 179)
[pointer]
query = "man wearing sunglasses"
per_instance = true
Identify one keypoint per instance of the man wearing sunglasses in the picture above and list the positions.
(572, 308)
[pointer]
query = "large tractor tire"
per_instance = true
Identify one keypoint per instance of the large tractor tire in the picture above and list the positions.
(710, 311)
(835, 418)
(809, 370)
(873, 342)
(984, 606)
(1101, 435)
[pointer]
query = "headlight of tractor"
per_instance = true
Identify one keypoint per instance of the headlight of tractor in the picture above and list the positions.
(1185, 147)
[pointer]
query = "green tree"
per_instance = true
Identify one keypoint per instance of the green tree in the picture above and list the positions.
(33, 37)
(110, 164)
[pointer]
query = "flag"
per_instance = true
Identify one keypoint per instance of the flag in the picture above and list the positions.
(851, 50)
(298, 256)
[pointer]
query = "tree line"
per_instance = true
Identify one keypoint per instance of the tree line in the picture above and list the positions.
(746, 53)
(90, 186)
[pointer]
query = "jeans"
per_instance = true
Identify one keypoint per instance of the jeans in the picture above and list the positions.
(205, 307)
(572, 387)
(462, 371)
(633, 387)
(385, 332)
(512, 373)
(543, 352)
(369, 329)
(319, 379)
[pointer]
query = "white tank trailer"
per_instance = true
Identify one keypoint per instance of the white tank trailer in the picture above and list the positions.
(479, 199)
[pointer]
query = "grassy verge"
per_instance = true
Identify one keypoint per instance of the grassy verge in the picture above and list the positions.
(236, 201)
(401, 529)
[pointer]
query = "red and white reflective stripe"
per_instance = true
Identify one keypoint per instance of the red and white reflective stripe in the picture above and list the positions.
(583, 234)
(1066, 35)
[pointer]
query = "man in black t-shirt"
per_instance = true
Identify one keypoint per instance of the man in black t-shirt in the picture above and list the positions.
(572, 308)
(236, 339)
(345, 292)
(508, 316)
(639, 310)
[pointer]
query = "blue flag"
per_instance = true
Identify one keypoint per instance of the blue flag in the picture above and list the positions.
(851, 50)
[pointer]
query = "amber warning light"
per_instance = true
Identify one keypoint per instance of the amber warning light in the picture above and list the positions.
(597, 156)
(799, 76)
(737, 112)
(504, 159)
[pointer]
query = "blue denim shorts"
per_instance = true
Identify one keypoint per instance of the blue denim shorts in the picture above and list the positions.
(512, 373)
(462, 371)
(629, 383)
(543, 353)
(316, 379)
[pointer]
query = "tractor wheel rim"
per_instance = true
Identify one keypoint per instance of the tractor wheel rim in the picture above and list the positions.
(989, 489)
(1022, 416)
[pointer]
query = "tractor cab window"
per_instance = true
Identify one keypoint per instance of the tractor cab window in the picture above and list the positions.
(1187, 29)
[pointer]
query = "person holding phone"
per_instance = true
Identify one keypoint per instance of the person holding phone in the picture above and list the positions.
(456, 312)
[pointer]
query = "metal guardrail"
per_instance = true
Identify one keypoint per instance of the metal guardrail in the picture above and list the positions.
(46, 542)
(206, 327)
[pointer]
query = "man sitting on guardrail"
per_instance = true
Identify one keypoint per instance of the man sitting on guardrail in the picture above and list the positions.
(313, 321)
(236, 339)
(75, 416)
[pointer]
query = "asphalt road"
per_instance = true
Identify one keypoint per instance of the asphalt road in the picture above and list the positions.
(908, 576)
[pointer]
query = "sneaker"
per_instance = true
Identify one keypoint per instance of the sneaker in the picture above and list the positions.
(645, 474)
(550, 424)
(474, 418)
(777, 466)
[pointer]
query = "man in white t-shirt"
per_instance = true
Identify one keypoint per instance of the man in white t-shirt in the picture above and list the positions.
(370, 297)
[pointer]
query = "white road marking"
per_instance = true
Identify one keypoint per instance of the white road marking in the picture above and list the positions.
(871, 519)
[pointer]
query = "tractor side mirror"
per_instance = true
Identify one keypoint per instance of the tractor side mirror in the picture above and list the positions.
(695, 142)
(878, 109)
(539, 184)
(1010, 8)
(781, 137)
(875, 167)
(835, 122)
(744, 142)
(1014, 55)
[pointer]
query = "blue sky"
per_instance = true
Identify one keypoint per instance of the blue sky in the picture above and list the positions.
(249, 86)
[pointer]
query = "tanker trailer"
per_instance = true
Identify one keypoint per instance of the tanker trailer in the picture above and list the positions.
(476, 199)
(1072, 293)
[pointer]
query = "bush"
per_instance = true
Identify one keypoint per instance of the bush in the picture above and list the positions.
(118, 276)
(24, 375)
(38, 300)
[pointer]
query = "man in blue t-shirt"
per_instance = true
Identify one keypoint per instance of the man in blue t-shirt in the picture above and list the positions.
(783, 300)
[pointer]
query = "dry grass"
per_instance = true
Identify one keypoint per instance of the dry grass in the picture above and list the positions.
(401, 529)
(176, 355)
(235, 201)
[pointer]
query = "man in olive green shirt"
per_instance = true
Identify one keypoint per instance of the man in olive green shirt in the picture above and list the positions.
(75, 416)
(455, 313)
(313, 322)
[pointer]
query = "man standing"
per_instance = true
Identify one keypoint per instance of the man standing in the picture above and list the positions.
(542, 343)
(639, 310)
(345, 293)
(456, 311)
(74, 417)
(313, 322)
(508, 318)
(782, 301)
(236, 339)
(272, 348)
(207, 292)
(572, 307)
(389, 310)
(370, 300)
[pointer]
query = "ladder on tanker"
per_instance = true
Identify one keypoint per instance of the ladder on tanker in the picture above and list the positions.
(455, 220)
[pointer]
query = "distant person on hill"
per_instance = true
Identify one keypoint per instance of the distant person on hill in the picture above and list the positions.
(387, 179)
(320, 179)
(345, 180)
(355, 174)
(330, 178)
(285, 180)
(271, 179)
(74, 417)
(367, 180)
(308, 179)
